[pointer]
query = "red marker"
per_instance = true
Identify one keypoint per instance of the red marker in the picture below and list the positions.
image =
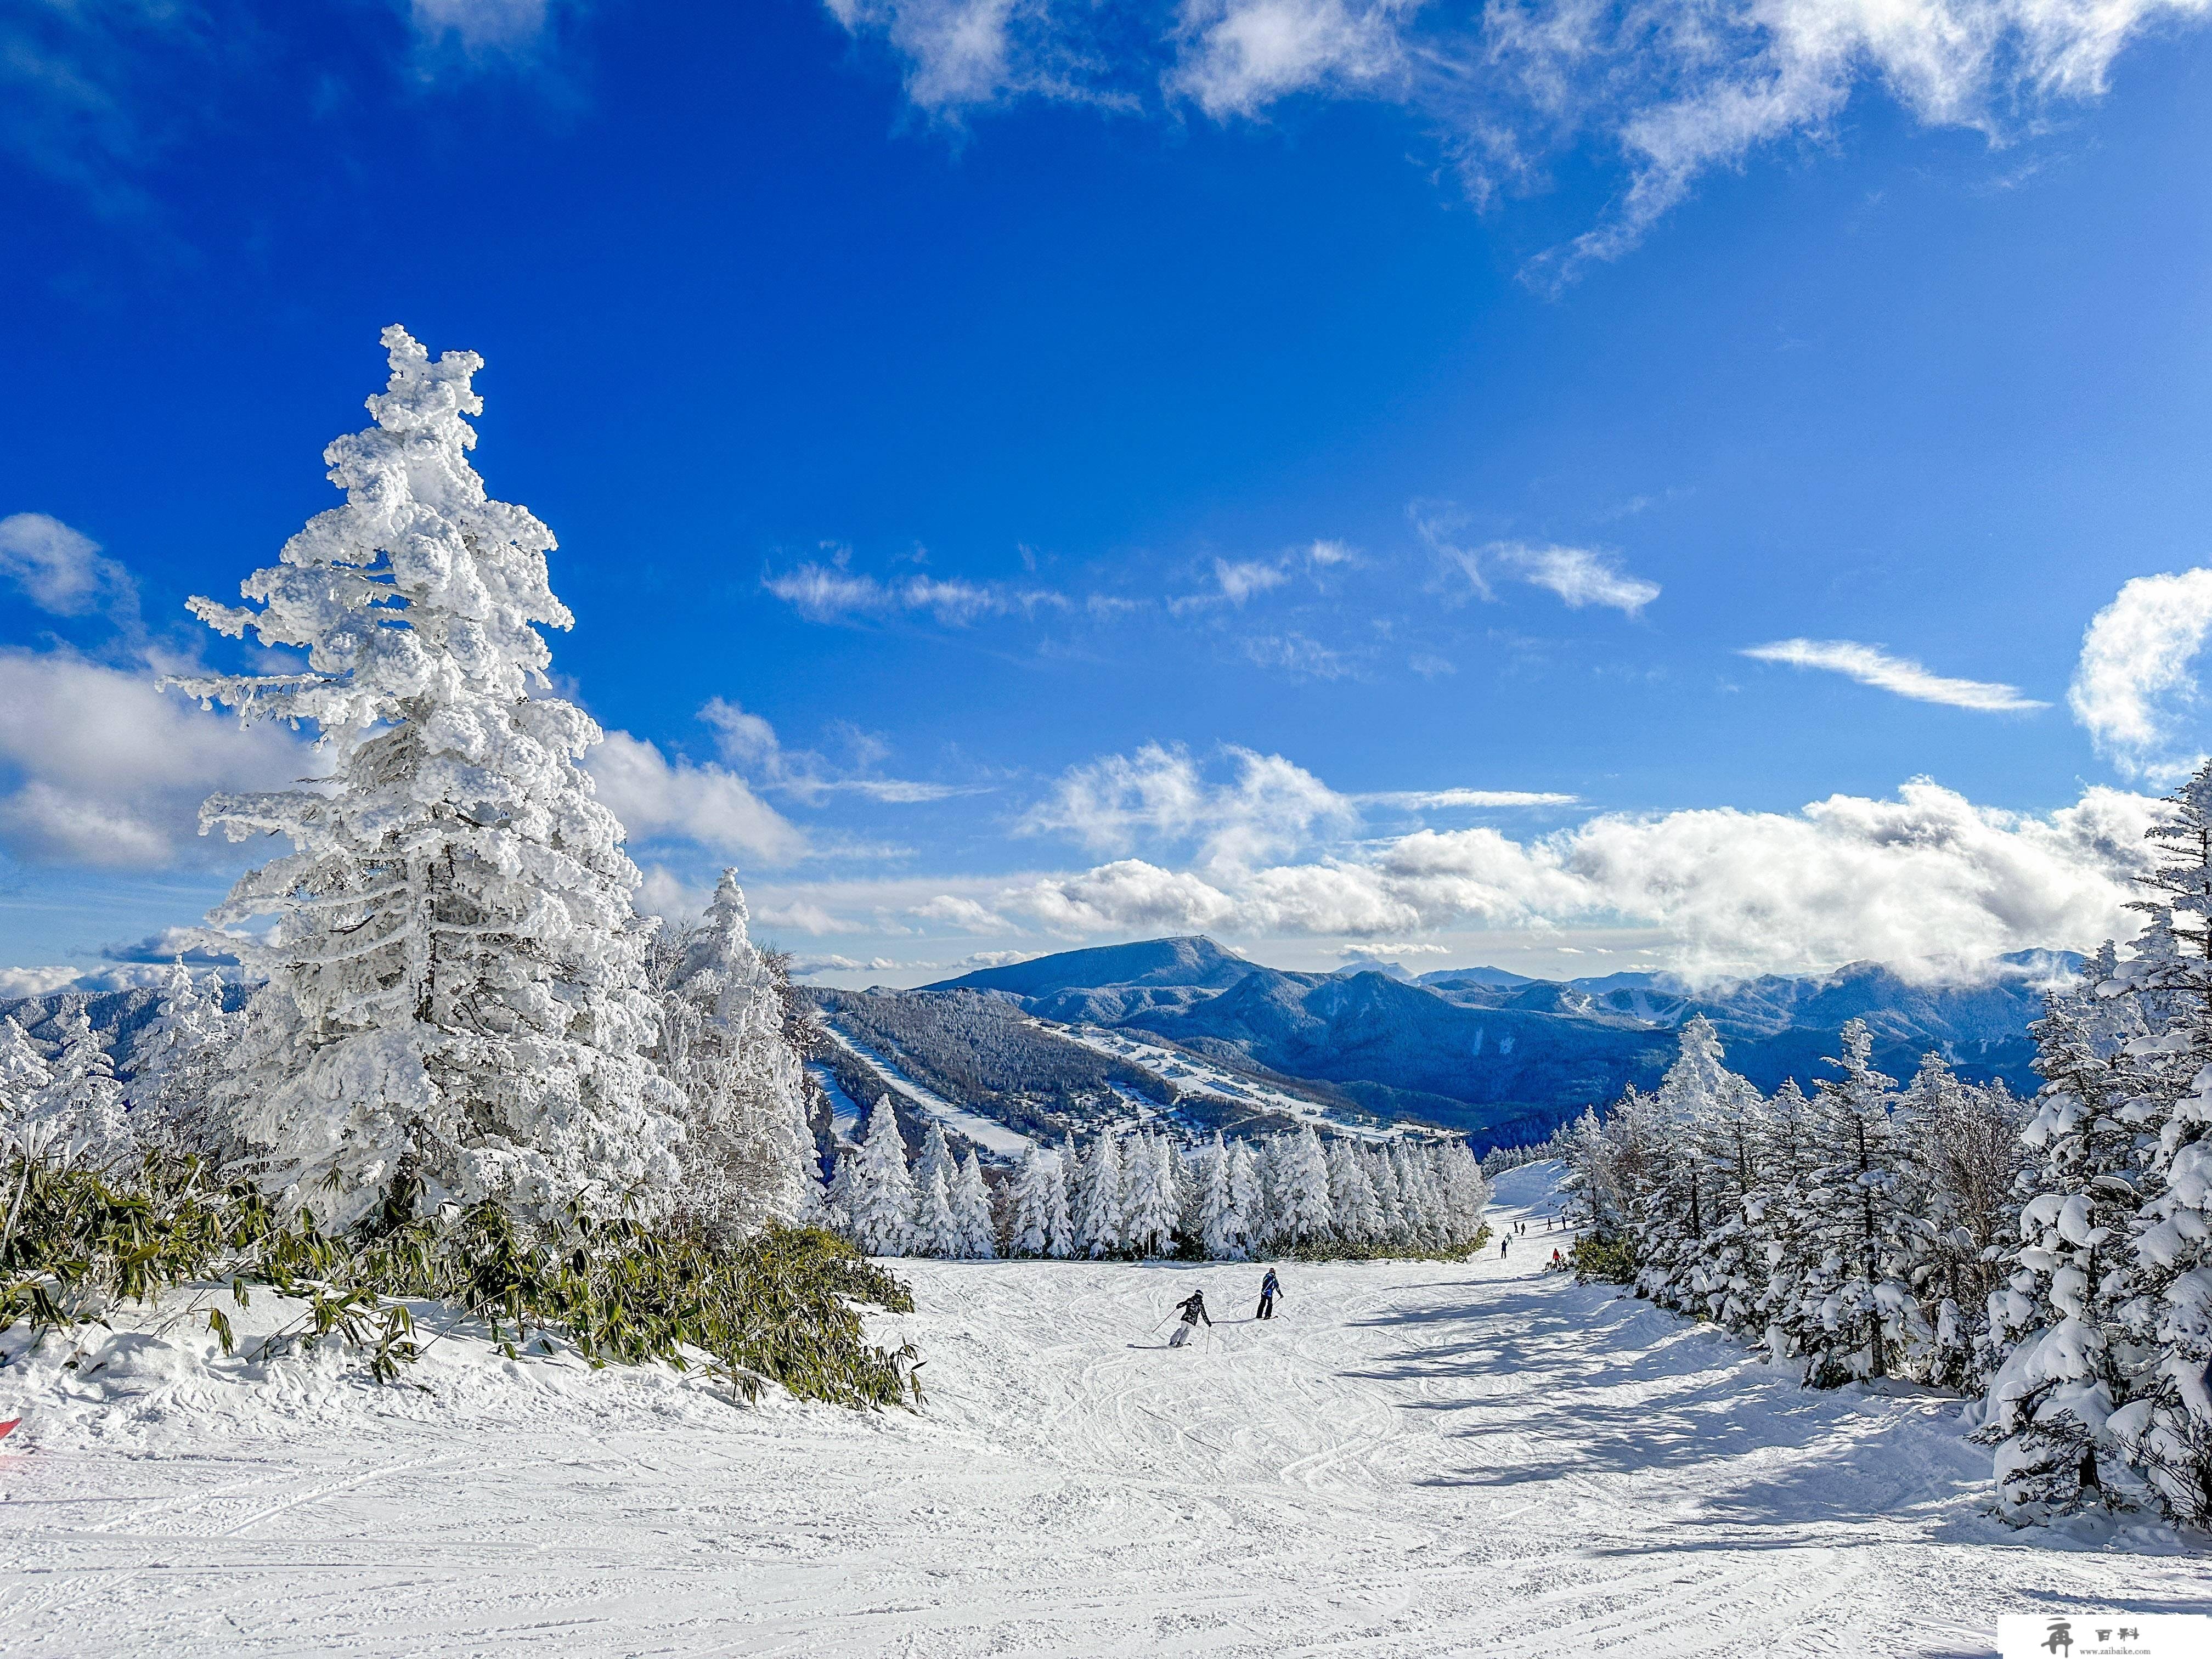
(7, 1428)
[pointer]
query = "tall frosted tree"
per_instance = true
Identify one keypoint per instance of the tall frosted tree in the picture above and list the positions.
(936, 1228)
(24, 1075)
(457, 1004)
(1100, 1200)
(176, 1064)
(1351, 1195)
(1297, 1200)
(748, 1152)
(1153, 1198)
(977, 1229)
(875, 1188)
(1039, 1224)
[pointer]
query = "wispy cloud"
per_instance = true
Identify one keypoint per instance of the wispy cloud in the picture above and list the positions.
(831, 593)
(1429, 799)
(1579, 575)
(1870, 665)
(1660, 94)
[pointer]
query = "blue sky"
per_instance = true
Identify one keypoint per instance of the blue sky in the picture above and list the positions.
(1033, 475)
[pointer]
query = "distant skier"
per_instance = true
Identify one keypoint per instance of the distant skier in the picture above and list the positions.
(1270, 1288)
(1193, 1308)
(1503, 1245)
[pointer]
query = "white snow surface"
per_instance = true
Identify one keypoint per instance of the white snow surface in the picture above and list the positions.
(1411, 1459)
(1195, 1074)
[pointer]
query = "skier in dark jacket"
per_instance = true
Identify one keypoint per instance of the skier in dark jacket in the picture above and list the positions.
(1270, 1288)
(1193, 1308)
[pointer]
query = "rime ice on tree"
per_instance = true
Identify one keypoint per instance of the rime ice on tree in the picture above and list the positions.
(456, 1003)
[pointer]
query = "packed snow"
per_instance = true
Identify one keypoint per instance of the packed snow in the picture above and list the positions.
(1194, 1074)
(1412, 1458)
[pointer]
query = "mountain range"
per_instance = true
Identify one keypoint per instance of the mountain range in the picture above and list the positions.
(1509, 1057)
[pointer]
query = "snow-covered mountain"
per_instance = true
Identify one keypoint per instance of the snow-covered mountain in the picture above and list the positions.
(1507, 1057)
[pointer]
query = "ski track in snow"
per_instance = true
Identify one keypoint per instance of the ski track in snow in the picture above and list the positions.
(1411, 1459)
(993, 1137)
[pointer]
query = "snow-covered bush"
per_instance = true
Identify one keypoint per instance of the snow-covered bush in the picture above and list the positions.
(457, 1005)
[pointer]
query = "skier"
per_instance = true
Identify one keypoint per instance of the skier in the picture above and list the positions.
(1270, 1288)
(1503, 1245)
(1193, 1308)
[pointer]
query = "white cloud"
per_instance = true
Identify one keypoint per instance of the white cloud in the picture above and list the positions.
(1160, 794)
(705, 804)
(100, 769)
(837, 964)
(35, 981)
(963, 913)
(481, 28)
(1383, 950)
(1240, 56)
(1869, 665)
(993, 959)
(750, 746)
(2133, 688)
(830, 592)
(1428, 799)
(805, 917)
(1662, 94)
(1928, 882)
(1579, 576)
(1295, 654)
(61, 571)
(1241, 578)
(1324, 554)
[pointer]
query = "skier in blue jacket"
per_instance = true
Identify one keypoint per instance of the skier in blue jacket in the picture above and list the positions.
(1270, 1288)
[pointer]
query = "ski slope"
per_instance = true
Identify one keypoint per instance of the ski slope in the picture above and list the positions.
(1413, 1459)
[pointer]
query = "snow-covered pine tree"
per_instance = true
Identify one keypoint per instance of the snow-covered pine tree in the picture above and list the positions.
(1389, 1198)
(1679, 1205)
(1957, 1215)
(456, 1003)
(24, 1075)
(971, 1212)
(748, 1152)
(1856, 1314)
(2166, 1430)
(1298, 1208)
(2072, 1269)
(176, 1065)
(79, 1116)
(1220, 1229)
(1149, 1223)
(935, 1159)
(1358, 1219)
(1466, 1192)
(937, 1230)
(1101, 1200)
(1779, 1215)
(1240, 1222)
(1028, 1231)
(877, 1193)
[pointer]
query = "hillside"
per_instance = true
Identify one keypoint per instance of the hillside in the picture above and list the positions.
(1506, 1057)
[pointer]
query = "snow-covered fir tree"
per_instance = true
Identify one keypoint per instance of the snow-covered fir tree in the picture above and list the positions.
(178, 1062)
(1039, 1224)
(1099, 1201)
(1298, 1210)
(1352, 1200)
(78, 1116)
(748, 1153)
(971, 1212)
(24, 1075)
(456, 1003)
(875, 1193)
(1154, 1198)
(936, 1228)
